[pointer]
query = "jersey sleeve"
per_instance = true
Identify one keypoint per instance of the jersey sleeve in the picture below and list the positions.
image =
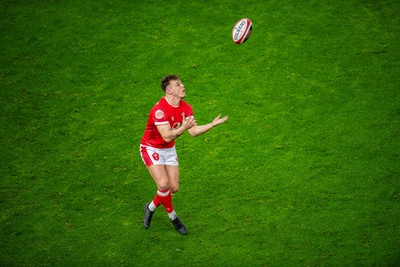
(159, 116)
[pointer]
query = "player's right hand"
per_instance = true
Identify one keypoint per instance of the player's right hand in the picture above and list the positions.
(188, 122)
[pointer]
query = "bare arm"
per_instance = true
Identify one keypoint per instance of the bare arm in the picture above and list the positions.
(169, 134)
(200, 129)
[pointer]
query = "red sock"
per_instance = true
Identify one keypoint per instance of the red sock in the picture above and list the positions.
(157, 200)
(165, 198)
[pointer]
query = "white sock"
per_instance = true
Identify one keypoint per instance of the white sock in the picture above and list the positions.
(152, 207)
(172, 215)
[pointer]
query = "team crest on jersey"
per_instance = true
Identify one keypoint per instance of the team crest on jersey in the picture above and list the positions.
(159, 114)
(176, 125)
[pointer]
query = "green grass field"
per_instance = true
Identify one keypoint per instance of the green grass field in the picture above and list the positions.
(305, 173)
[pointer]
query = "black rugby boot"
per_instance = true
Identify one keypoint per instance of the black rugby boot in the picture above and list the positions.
(179, 226)
(148, 214)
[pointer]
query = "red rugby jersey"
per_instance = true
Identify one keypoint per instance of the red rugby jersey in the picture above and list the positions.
(162, 113)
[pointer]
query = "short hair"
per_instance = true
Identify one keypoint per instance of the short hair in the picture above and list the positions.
(165, 81)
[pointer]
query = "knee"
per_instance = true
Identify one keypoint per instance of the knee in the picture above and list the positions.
(174, 189)
(163, 187)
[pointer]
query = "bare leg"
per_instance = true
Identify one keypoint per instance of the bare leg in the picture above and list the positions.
(173, 178)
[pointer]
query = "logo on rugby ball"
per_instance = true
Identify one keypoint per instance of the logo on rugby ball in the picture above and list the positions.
(242, 30)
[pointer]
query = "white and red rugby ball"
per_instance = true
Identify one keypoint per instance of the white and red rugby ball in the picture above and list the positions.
(241, 31)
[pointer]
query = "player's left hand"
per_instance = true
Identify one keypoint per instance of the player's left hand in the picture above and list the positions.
(218, 120)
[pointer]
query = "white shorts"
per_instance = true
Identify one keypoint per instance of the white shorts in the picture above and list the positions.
(158, 156)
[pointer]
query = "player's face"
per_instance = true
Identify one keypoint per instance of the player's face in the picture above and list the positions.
(177, 88)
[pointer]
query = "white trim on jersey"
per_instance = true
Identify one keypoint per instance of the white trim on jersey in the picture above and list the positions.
(171, 103)
(161, 122)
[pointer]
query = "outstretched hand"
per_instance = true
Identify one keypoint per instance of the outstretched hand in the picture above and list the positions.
(218, 120)
(188, 122)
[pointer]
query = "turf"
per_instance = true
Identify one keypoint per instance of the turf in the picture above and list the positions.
(305, 172)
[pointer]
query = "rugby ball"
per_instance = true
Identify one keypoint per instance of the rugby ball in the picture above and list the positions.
(241, 31)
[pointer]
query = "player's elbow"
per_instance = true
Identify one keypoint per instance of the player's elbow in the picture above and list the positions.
(168, 139)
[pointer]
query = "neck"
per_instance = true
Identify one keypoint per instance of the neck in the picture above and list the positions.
(174, 101)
